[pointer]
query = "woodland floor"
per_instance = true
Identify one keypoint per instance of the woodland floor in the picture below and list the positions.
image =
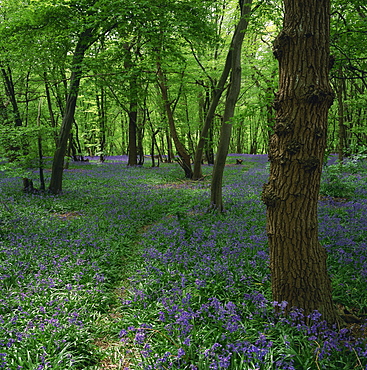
(127, 270)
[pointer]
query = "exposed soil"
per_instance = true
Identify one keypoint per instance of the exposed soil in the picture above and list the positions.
(68, 215)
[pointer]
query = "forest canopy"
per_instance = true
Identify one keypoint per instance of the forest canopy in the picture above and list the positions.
(128, 49)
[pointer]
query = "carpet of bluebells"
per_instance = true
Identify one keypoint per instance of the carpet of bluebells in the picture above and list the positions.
(127, 270)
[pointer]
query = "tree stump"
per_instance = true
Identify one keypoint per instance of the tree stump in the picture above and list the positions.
(28, 185)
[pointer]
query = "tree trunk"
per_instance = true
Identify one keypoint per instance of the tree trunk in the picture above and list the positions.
(140, 146)
(209, 146)
(4, 119)
(77, 141)
(40, 150)
(154, 143)
(216, 201)
(49, 105)
(297, 260)
(10, 92)
(339, 92)
(197, 174)
(13, 147)
(185, 161)
(85, 40)
(124, 144)
(102, 118)
(133, 107)
(60, 92)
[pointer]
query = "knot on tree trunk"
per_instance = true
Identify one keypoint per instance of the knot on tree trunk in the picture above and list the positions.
(279, 43)
(283, 127)
(318, 95)
(293, 146)
(310, 164)
(268, 196)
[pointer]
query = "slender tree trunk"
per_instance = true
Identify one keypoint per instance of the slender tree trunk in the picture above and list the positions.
(133, 107)
(49, 105)
(4, 119)
(154, 133)
(297, 260)
(133, 150)
(234, 90)
(60, 92)
(209, 146)
(341, 134)
(197, 174)
(153, 145)
(169, 155)
(101, 106)
(85, 40)
(40, 151)
(77, 141)
(141, 133)
(13, 148)
(185, 161)
(140, 145)
(10, 92)
(124, 145)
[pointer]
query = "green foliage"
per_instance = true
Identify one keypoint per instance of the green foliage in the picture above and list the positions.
(19, 155)
(336, 183)
(40, 37)
(348, 48)
(340, 180)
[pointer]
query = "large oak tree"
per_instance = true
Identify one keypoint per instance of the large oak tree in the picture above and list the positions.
(297, 260)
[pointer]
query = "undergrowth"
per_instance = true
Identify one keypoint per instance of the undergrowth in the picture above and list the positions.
(127, 270)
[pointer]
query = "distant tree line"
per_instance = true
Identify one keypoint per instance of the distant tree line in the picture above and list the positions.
(101, 78)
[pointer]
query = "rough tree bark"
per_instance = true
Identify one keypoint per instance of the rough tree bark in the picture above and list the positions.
(297, 260)
(216, 201)
(85, 40)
